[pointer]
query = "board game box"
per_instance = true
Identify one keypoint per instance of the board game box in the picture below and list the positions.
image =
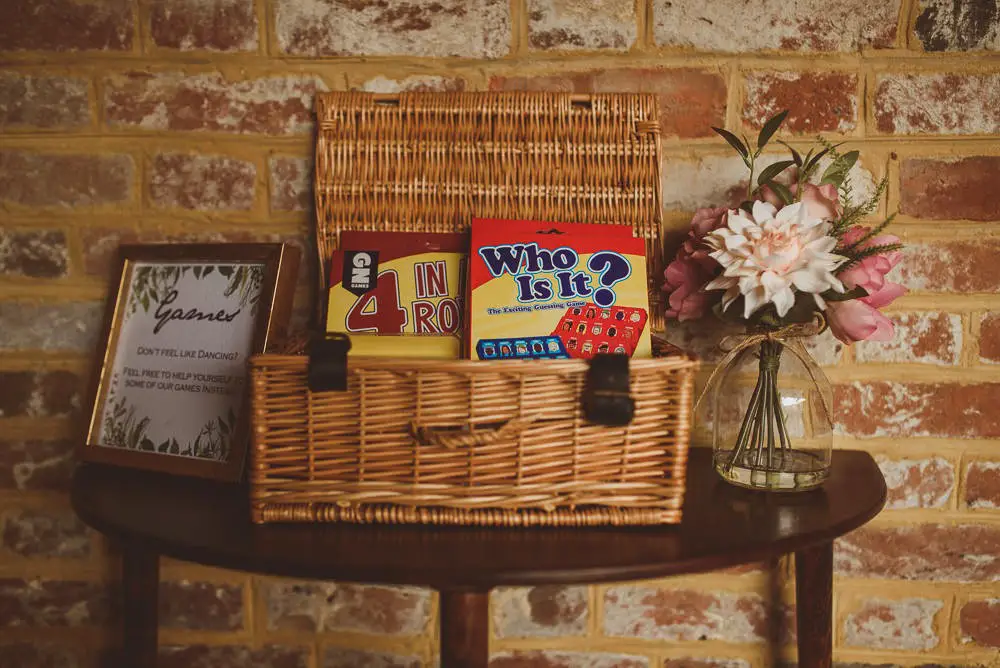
(398, 293)
(556, 290)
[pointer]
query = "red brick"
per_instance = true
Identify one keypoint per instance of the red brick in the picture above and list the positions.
(53, 603)
(917, 483)
(46, 533)
(950, 189)
(28, 101)
(36, 465)
(276, 105)
(65, 180)
(963, 553)
(201, 606)
(540, 611)
(40, 655)
(33, 253)
(807, 25)
(906, 624)
(923, 337)
(891, 409)
(232, 656)
(291, 183)
(571, 25)
(979, 622)
(982, 484)
(214, 25)
(66, 25)
(463, 28)
(39, 393)
(951, 266)
(701, 662)
(65, 326)
(989, 338)
(944, 25)
(315, 606)
(336, 657)
(416, 83)
(201, 182)
(949, 104)
(816, 101)
(562, 659)
(691, 100)
(680, 615)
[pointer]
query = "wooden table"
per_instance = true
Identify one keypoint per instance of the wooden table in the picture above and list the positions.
(152, 515)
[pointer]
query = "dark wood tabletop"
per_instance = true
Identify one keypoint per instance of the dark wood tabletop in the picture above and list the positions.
(209, 523)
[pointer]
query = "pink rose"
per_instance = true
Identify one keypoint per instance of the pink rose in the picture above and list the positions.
(869, 274)
(703, 222)
(685, 279)
(856, 321)
(860, 319)
(693, 268)
(820, 201)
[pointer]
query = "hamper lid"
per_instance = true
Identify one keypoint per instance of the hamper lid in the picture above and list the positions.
(433, 161)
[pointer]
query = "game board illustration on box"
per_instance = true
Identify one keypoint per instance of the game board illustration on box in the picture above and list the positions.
(556, 290)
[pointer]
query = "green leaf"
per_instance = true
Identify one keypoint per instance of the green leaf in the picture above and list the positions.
(772, 171)
(819, 156)
(796, 156)
(783, 192)
(838, 169)
(734, 141)
(834, 296)
(770, 127)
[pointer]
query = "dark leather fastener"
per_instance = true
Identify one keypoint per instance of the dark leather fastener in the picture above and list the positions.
(606, 398)
(328, 363)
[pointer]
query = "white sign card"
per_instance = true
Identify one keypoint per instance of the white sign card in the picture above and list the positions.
(176, 385)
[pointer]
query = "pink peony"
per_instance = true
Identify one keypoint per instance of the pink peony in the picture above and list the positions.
(860, 319)
(693, 268)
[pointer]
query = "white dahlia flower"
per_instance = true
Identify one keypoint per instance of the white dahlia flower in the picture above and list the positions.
(767, 254)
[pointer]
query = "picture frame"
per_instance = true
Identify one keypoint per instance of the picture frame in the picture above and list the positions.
(170, 388)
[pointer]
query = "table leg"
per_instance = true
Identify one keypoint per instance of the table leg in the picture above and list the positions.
(814, 605)
(140, 590)
(465, 629)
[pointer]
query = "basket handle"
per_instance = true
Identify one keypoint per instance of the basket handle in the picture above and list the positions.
(451, 438)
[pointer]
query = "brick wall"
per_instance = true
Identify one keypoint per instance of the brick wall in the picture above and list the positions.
(191, 119)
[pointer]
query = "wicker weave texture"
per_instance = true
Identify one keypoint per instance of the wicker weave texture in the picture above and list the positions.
(463, 442)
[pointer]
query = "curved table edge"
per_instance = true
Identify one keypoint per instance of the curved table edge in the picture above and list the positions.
(446, 580)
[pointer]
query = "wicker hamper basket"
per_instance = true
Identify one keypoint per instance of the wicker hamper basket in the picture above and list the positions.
(467, 442)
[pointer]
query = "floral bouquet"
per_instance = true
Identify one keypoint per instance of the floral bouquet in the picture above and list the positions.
(791, 260)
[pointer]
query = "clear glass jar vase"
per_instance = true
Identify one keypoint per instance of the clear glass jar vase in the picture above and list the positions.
(769, 409)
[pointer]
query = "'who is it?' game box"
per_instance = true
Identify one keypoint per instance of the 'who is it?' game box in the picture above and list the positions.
(556, 290)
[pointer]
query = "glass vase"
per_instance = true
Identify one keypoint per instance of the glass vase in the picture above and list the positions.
(771, 421)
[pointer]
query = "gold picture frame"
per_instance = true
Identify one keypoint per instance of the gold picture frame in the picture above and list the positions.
(180, 324)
